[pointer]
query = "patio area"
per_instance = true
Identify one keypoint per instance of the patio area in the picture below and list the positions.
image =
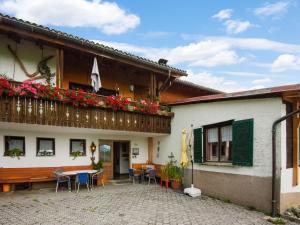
(120, 204)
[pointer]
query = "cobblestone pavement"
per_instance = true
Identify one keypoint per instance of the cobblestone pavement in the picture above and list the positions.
(120, 204)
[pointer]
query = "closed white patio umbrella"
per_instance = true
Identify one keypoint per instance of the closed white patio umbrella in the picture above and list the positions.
(95, 76)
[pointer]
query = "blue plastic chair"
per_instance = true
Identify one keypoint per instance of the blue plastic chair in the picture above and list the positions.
(82, 178)
(151, 176)
(60, 178)
(133, 175)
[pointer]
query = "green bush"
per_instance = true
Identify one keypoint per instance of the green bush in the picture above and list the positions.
(98, 165)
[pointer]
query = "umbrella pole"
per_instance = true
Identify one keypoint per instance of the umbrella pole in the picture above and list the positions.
(192, 172)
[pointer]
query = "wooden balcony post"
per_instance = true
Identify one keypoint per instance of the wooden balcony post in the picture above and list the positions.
(59, 67)
(150, 150)
(296, 123)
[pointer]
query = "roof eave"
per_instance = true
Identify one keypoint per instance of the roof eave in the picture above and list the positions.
(58, 35)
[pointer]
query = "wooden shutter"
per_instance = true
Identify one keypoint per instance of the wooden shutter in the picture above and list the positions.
(198, 145)
(242, 146)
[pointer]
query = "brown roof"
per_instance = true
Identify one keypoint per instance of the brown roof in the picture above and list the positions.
(259, 93)
(185, 83)
(59, 35)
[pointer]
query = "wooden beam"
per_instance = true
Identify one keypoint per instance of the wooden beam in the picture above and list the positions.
(59, 67)
(150, 150)
(296, 123)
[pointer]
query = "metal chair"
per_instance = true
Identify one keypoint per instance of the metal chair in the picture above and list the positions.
(96, 176)
(82, 178)
(133, 175)
(60, 178)
(151, 176)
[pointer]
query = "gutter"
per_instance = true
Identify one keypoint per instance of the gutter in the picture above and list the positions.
(275, 123)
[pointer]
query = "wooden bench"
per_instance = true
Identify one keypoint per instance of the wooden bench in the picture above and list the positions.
(9, 176)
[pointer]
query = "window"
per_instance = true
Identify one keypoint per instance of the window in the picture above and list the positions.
(218, 142)
(105, 153)
(45, 147)
(14, 143)
(78, 146)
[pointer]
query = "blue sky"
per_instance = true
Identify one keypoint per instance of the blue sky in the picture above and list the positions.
(228, 45)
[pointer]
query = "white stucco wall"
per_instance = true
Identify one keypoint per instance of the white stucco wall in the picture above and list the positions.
(29, 53)
(62, 140)
(263, 111)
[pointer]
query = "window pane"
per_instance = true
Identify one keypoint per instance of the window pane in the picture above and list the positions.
(212, 146)
(12, 142)
(15, 143)
(226, 145)
(77, 146)
(105, 153)
(46, 147)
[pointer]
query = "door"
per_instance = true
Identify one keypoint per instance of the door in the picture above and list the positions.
(106, 155)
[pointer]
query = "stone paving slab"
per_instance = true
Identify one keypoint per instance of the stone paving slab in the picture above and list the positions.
(123, 204)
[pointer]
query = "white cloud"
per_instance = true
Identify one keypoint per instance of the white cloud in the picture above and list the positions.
(213, 81)
(201, 54)
(104, 15)
(259, 44)
(286, 62)
(269, 9)
(210, 52)
(261, 81)
(223, 14)
(237, 26)
(243, 74)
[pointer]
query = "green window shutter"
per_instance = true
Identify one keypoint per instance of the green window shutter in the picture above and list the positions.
(198, 145)
(242, 142)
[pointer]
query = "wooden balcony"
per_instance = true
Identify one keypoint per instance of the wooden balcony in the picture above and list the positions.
(55, 113)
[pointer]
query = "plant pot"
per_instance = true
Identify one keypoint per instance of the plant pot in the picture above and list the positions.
(176, 184)
(6, 188)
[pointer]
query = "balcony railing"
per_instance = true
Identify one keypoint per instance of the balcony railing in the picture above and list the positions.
(56, 113)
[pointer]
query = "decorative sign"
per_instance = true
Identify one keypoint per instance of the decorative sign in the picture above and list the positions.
(135, 152)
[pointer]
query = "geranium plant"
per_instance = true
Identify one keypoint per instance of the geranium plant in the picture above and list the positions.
(27, 89)
(5, 87)
(49, 92)
(118, 102)
(77, 98)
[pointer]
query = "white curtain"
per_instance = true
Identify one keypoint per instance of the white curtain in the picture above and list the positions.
(226, 133)
(77, 146)
(46, 145)
(212, 135)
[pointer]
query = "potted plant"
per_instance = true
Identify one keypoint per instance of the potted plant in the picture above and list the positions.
(15, 152)
(175, 175)
(98, 166)
(75, 154)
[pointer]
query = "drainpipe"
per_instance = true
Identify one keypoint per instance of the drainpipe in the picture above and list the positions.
(275, 123)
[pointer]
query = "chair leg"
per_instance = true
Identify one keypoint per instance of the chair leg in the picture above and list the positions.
(87, 186)
(78, 187)
(69, 186)
(56, 186)
(149, 181)
(102, 182)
